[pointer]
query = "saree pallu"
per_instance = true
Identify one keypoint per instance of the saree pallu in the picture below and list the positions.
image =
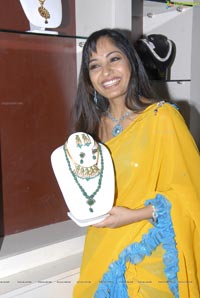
(156, 161)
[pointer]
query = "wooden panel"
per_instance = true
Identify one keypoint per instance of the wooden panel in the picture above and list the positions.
(1, 200)
(37, 88)
(12, 16)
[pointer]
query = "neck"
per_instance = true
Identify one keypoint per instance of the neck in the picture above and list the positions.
(117, 111)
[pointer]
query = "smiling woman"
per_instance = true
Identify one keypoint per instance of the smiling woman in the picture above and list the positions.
(143, 248)
(109, 76)
(109, 71)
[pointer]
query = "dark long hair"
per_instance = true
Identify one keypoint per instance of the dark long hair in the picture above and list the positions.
(86, 113)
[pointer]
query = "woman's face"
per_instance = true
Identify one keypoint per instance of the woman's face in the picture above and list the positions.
(109, 70)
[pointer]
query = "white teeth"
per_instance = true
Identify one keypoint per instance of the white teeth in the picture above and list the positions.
(111, 82)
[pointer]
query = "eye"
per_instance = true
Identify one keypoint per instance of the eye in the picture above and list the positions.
(115, 58)
(93, 66)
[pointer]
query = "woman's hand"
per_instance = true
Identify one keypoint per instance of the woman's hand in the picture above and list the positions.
(121, 216)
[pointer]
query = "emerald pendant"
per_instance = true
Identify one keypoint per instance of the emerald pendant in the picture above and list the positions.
(90, 202)
(95, 171)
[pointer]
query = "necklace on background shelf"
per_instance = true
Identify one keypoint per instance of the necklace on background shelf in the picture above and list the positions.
(43, 11)
(90, 198)
(117, 129)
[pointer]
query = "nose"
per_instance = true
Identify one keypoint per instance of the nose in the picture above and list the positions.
(106, 69)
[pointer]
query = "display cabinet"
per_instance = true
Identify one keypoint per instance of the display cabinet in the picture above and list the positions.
(38, 81)
(179, 23)
(39, 69)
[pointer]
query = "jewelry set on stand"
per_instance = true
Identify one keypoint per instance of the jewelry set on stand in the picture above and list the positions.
(85, 174)
(91, 170)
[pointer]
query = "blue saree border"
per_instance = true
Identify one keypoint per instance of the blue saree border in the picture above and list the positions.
(113, 283)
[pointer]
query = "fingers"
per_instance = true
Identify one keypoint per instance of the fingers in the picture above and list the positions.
(117, 217)
(102, 224)
(110, 221)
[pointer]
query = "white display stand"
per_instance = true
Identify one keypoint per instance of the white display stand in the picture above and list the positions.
(76, 201)
(37, 22)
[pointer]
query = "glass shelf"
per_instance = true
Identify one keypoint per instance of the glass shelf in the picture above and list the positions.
(43, 33)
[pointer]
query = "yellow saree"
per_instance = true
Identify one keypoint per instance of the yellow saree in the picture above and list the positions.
(154, 156)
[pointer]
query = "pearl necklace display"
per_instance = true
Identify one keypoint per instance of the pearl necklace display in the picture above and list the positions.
(86, 173)
(117, 129)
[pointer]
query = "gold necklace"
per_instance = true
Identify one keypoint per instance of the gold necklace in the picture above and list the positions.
(43, 11)
(85, 172)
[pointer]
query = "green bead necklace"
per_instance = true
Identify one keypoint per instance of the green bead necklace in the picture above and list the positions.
(90, 198)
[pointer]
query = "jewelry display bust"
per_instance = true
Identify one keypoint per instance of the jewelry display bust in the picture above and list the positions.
(85, 175)
(43, 14)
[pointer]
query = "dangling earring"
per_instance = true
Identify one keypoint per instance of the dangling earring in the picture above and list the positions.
(95, 97)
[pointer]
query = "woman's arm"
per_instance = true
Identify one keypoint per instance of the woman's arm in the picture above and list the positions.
(121, 216)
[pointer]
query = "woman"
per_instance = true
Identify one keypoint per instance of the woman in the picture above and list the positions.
(149, 245)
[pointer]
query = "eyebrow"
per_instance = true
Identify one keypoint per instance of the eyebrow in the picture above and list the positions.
(110, 53)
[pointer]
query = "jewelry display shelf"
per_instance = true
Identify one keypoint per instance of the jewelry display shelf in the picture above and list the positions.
(43, 34)
(38, 84)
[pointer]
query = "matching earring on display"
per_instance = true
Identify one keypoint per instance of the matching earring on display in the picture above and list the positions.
(78, 142)
(86, 140)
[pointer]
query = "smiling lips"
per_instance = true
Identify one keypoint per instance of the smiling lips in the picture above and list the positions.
(110, 83)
